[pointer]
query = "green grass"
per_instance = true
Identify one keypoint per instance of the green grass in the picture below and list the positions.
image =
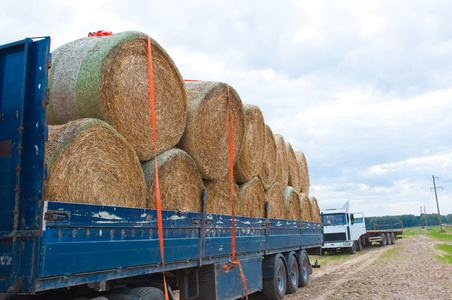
(445, 258)
(442, 236)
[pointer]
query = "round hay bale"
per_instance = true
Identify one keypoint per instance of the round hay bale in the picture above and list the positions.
(315, 209)
(275, 199)
(179, 181)
(306, 208)
(252, 199)
(282, 162)
(206, 136)
(294, 170)
(267, 174)
(90, 162)
(220, 197)
(107, 78)
(292, 204)
(250, 160)
(304, 174)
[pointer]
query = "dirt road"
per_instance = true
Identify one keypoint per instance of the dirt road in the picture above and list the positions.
(406, 270)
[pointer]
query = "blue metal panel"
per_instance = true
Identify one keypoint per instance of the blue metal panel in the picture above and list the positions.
(230, 285)
(250, 235)
(283, 234)
(87, 238)
(312, 235)
(23, 78)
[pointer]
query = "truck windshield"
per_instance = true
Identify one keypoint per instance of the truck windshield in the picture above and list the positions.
(333, 219)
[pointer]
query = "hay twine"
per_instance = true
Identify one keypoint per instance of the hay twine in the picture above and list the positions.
(252, 199)
(179, 181)
(282, 162)
(250, 160)
(275, 199)
(206, 136)
(294, 170)
(107, 78)
(316, 217)
(292, 204)
(304, 173)
(268, 171)
(306, 208)
(89, 162)
(220, 196)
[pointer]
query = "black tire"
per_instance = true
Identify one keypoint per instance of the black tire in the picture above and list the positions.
(139, 293)
(275, 288)
(393, 237)
(293, 275)
(389, 238)
(359, 245)
(352, 249)
(383, 239)
(304, 270)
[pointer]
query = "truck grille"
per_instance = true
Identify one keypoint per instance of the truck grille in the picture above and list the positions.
(333, 237)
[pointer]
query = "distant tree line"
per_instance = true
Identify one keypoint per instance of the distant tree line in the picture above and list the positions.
(407, 220)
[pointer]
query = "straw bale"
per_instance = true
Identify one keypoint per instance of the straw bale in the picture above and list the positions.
(107, 78)
(275, 199)
(252, 199)
(282, 162)
(304, 173)
(250, 160)
(315, 209)
(220, 196)
(267, 174)
(306, 208)
(180, 183)
(206, 136)
(294, 170)
(90, 162)
(292, 204)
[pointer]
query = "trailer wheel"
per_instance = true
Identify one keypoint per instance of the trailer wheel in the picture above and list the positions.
(383, 239)
(275, 288)
(293, 274)
(393, 237)
(139, 293)
(388, 238)
(304, 270)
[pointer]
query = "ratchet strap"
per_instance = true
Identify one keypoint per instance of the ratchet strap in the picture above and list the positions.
(157, 189)
(234, 260)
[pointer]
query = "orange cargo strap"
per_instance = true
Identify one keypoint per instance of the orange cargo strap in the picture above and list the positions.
(234, 260)
(157, 189)
(99, 33)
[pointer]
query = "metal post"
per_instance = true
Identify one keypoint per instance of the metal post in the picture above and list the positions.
(437, 205)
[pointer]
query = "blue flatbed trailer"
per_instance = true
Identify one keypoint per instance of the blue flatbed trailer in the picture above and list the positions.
(67, 250)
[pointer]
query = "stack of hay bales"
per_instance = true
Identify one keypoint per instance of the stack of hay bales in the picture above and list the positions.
(106, 79)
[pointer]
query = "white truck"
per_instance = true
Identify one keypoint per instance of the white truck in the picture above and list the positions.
(344, 230)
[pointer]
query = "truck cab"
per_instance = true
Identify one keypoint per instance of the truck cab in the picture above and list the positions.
(342, 230)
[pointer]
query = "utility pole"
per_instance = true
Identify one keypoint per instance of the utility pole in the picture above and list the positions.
(426, 219)
(437, 205)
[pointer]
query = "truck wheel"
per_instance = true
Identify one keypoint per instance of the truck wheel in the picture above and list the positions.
(304, 270)
(275, 288)
(359, 245)
(293, 275)
(139, 293)
(383, 239)
(393, 237)
(352, 249)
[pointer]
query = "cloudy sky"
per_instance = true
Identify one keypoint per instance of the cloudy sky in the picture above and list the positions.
(363, 88)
